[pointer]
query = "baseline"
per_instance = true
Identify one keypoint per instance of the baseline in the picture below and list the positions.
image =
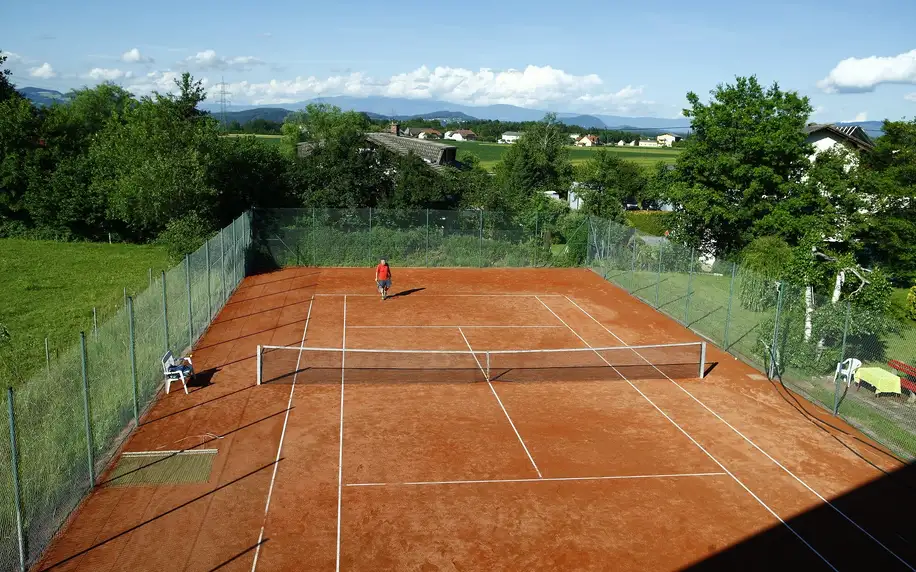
(539, 480)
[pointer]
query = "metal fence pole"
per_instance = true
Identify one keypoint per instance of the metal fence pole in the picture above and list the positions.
(89, 446)
(209, 295)
(133, 357)
(125, 296)
(95, 323)
(836, 389)
(774, 351)
(728, 312)
(537, 235)
(150, 277)
(165, 313)
(658, 278)
(48, 358)
(370, 236)
(235, 256)
(427, 238)
(314, 254)
(222, 264)
(17, 494)
(187, 277)
(689, 284)
(480, 239)
(633, 266)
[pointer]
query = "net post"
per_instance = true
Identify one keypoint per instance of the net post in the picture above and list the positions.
(48, 357)
(259, 365)
(165, 312)
(86, 412)
(728, 312)
(17, 494)
(187, 277)
(209, 295)
(133, 357)
(702, 360)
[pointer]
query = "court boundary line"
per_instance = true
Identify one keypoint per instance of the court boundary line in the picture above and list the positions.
(343, 358)
(452, 326)
(752, 443)
(501, 406)
(695, 442)
(540, 480)
(289, 406)
(530, 295)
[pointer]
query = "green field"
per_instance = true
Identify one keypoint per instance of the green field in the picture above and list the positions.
(49, 288)
(270, 139)
(492, 153)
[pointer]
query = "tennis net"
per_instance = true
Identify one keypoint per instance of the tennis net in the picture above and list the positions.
(317, 365)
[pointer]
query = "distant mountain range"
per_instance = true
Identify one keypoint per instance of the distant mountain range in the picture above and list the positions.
(402, 109)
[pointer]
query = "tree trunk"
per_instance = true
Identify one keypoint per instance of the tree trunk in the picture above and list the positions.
(838, 286)
(809, 311)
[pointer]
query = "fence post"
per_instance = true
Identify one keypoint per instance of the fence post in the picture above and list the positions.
(480, 239)
(14, 453)
(537, 235)
(209, 295)
(165, 313)
(633, 266)
(89, 446)
(222, 264)
(187, 277)
(702, 360)
(48, 358)
(774, 351)
(836, 389)
(427, 238)
(728, 312)
(133, 357)
(95, 323)
(150, 277)
(658, 278)
(235, 255)
(370, 236)
(314, 254)
(689, 284)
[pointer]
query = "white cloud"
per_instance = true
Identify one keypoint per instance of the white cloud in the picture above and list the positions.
(534, 86)
(210, 60)
(859, 75)
(910, 97)
(861, 116)
(161, 81)
(133, 56)
(13, 58)
(44, 71)
(104, 74)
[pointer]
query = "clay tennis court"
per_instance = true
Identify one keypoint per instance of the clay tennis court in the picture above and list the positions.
(615, 459)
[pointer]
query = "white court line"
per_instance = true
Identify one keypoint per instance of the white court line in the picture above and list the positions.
(743, 436)
(465, 326)
(343, 358)
(694, 441)
(538, 480)
(486, 375)
(289, 406)
(447, 295)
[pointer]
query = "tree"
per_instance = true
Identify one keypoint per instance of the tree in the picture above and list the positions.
(746, 158)
(536, 164)
(7, 89)
(607, 182)
(20, 123)
(888, 178)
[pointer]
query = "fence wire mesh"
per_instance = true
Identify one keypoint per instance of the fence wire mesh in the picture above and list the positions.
(412, 238)
(795, 334)
(61, 446)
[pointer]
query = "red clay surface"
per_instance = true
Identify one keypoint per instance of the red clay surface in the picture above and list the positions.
(650, 473)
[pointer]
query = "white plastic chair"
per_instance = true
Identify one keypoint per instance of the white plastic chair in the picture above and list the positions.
(846, 370)
(173, 370)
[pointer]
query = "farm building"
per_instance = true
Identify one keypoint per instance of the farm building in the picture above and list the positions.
(461, 135)
(668, 139)
(588, 141)
(510, 137)
(825, 136)
(648, 143)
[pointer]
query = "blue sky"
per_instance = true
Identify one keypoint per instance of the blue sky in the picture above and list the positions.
(854, 59)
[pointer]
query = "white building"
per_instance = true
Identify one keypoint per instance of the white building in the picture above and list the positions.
(824, 136)
(648, 143)
(621, 143)
(461, 135)
(668, 139)
(588, 141)
(510, 137)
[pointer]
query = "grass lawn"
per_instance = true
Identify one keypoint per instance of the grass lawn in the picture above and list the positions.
(269, 139)
(49, 288)
(491, 153)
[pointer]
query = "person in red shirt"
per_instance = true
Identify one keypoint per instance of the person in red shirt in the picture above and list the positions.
(383, 278)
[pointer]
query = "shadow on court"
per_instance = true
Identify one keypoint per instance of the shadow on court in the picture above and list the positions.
(406, 292)
(884, 508)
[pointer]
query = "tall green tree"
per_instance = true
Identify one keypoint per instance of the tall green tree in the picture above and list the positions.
(888, 179)
(746, 158)
(608, 182)
(7, 89)
(536, 164)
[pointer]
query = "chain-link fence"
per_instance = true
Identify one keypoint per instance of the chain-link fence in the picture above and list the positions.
(789, 331)
(68, 419)
(413, 238)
